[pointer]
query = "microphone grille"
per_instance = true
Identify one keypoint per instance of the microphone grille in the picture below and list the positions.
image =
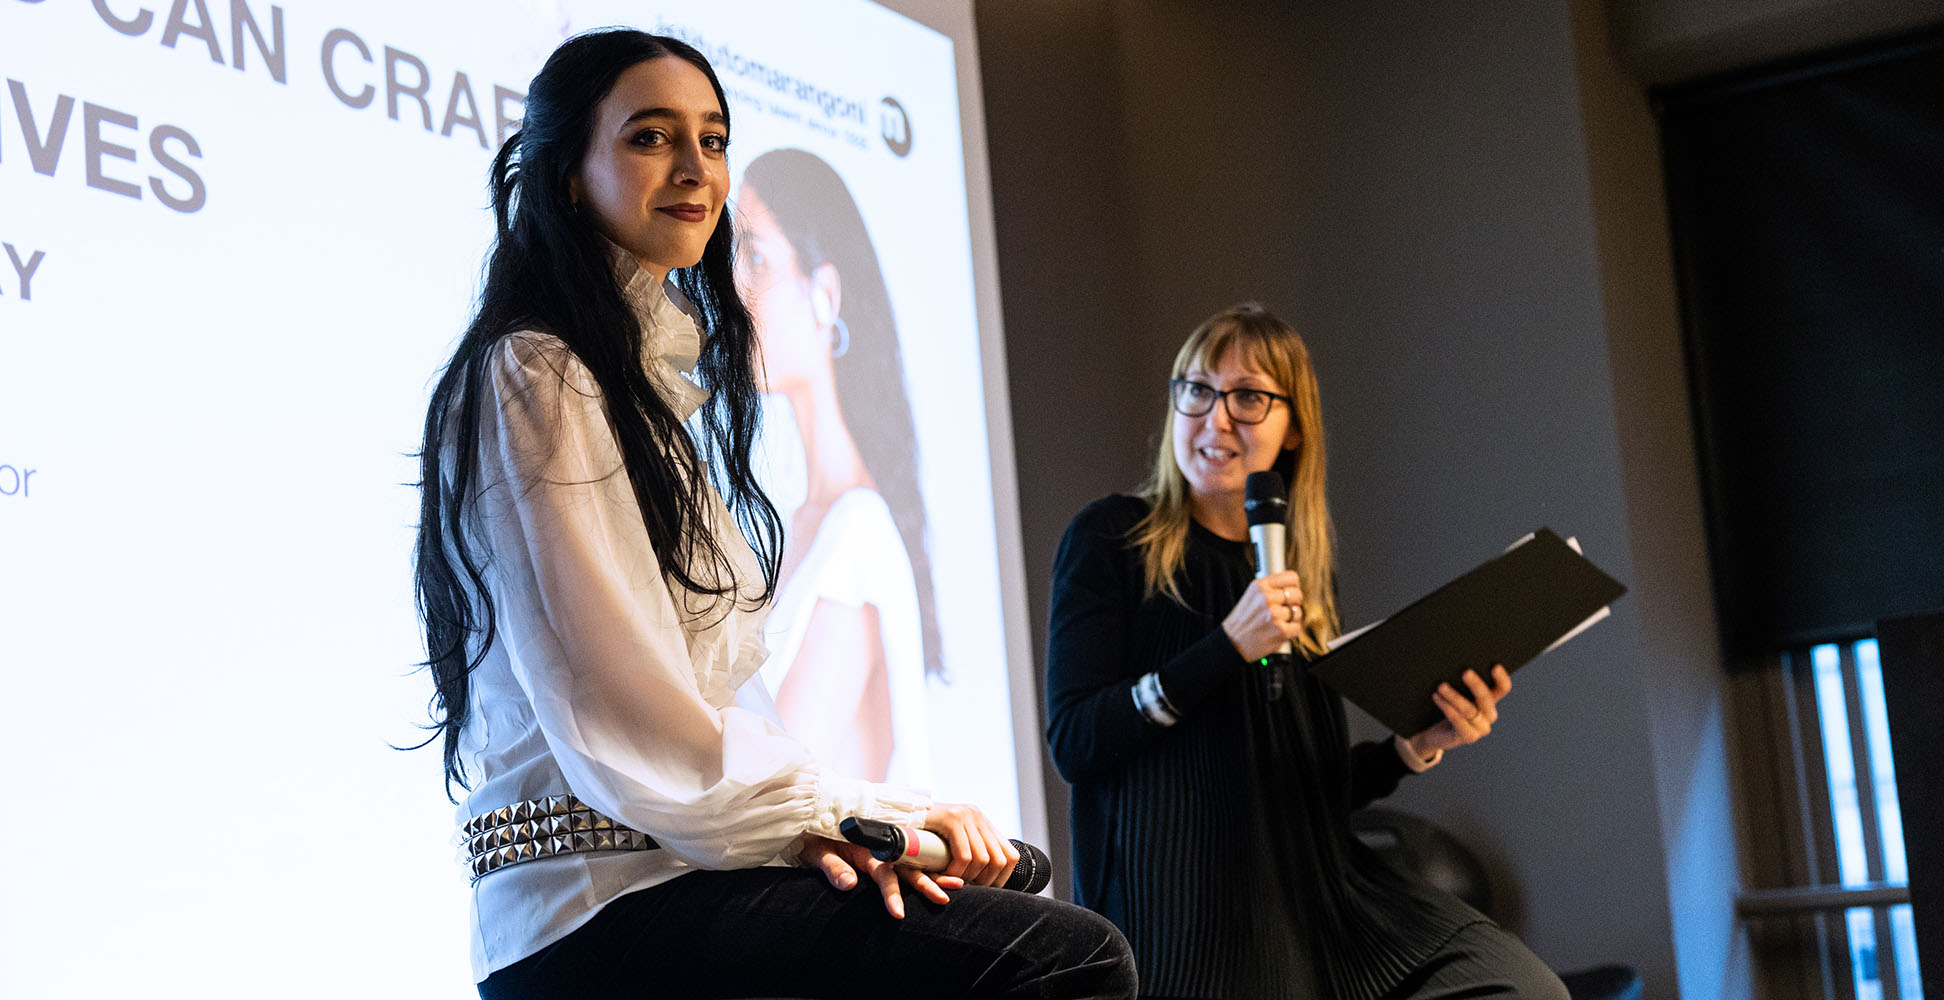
(1033, 872)
(1265, 499)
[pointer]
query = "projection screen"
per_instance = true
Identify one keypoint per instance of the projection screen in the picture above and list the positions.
(241, 237)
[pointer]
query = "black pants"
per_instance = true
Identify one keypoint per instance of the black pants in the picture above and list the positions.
(1479, 962)
(1482, 961)
(784, 932)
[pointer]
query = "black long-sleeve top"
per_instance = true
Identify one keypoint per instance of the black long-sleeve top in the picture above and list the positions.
(1219, 845)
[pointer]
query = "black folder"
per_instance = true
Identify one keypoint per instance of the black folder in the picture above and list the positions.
(1536, 595)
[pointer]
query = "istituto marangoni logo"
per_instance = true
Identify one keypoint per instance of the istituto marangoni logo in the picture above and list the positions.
(895, 126)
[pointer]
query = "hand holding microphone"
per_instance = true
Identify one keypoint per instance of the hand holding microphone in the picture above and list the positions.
(1270, 612)
(1267, 617)
(1029, 871)
(974, 850)
(956, 836)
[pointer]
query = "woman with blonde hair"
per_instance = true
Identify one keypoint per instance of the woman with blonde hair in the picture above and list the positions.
(1212, 785)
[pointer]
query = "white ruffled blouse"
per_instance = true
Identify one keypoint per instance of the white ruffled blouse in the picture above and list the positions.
(643, 703)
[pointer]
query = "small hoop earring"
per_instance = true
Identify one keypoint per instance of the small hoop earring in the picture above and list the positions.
(839, 337)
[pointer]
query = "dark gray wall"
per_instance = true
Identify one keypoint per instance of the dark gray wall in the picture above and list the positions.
(1664, 41)
(1678, 658)
(1460, 205)
(1074, 362)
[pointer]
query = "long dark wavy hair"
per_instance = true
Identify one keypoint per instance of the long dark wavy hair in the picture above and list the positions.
(817, 214)
(550, 270)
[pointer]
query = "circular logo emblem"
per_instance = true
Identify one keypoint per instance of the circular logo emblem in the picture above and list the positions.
(895, 126)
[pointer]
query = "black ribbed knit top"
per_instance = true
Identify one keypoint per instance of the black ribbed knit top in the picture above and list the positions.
(1220, 845)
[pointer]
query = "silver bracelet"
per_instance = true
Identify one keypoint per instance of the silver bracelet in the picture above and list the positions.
(1153, 702)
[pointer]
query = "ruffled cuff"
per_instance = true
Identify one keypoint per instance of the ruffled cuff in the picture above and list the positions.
(840, 797)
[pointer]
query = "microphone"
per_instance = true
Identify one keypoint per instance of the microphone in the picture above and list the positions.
(926, 851)
(1265, 500)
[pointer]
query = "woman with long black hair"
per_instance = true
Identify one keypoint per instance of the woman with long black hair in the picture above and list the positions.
(592, 578)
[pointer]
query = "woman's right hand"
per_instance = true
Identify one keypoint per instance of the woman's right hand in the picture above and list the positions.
(1269, 614)
(980, 855)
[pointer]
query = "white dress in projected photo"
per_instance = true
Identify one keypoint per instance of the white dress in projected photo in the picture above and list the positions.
(857, 561)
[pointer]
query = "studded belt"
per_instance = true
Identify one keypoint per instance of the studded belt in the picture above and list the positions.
(543, 828)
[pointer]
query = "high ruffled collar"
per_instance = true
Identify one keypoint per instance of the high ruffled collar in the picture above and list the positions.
(727, 640)
(671, 337)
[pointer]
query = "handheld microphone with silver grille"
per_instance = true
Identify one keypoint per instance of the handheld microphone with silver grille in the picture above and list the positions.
(1265, 500)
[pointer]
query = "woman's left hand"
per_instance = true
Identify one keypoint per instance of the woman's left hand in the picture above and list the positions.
(1467, 719)
(840, 862)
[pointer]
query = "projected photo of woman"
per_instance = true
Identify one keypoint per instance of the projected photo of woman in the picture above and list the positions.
(853, 635)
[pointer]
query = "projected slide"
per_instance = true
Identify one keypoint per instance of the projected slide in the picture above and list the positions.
(239, 238)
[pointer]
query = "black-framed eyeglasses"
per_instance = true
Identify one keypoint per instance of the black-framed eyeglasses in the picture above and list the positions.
(1245, 406)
